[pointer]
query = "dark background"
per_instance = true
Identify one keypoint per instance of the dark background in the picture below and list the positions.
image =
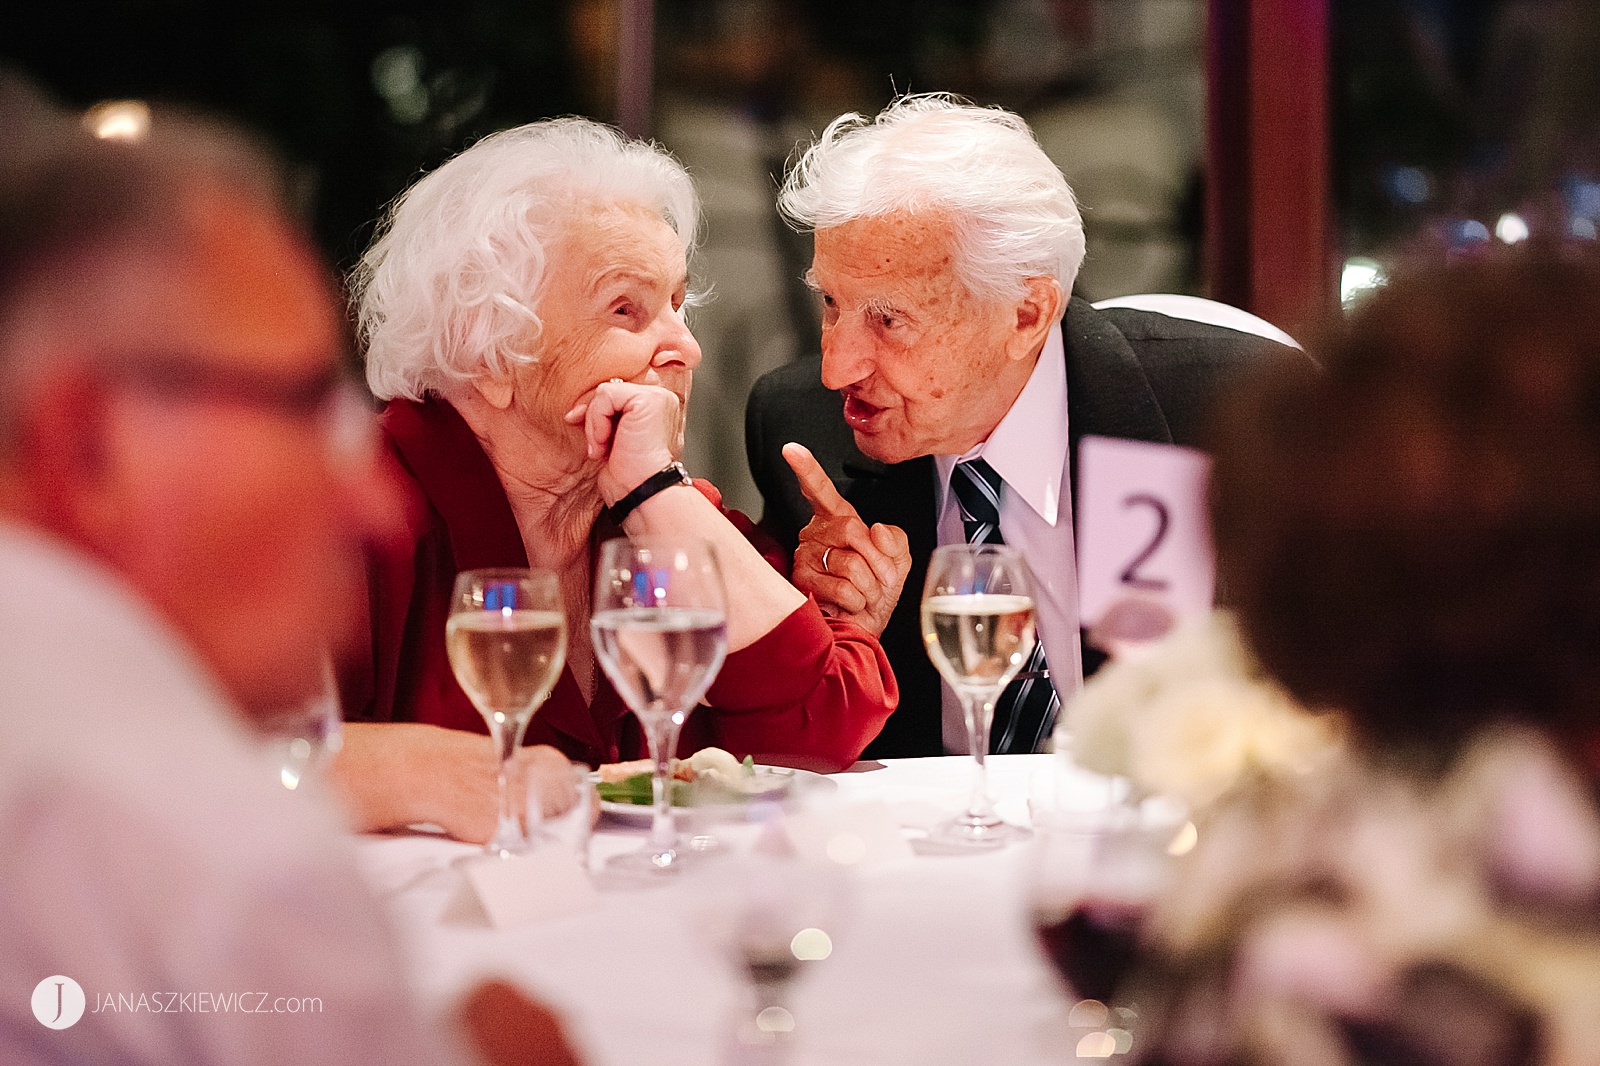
(304, 74)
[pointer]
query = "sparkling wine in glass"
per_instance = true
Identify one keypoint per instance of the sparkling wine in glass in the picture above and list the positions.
(977, 624)
(507, 640)
(660, 633)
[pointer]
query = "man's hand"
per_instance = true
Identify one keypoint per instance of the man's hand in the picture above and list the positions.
(853, 571)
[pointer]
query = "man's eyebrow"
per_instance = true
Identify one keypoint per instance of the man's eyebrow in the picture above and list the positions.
(873, 305)
(879, 305)
(180, 374)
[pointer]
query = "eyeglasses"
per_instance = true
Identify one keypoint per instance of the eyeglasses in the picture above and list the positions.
(327, 397)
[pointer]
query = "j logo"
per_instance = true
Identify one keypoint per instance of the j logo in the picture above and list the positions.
(58, 1002)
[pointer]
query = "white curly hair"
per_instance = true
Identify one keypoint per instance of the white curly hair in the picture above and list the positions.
(1014, 216)
(450, 288)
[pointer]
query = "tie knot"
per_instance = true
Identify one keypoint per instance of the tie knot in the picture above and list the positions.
(977, 490)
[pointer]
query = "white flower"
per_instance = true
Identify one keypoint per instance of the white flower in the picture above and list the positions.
(1192, 718)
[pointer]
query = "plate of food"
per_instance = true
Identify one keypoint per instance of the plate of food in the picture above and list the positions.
(710, 777)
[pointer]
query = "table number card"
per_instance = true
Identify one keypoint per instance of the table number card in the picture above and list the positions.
(547, 882)
(1144, 533)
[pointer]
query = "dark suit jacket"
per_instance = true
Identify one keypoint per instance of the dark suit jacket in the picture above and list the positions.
(1130, 374)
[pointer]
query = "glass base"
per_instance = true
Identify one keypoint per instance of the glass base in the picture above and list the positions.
(649, 863)
(508, 842)
(760, 1038)
(965, 835)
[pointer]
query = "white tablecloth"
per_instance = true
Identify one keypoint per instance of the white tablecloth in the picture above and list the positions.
(934, 961)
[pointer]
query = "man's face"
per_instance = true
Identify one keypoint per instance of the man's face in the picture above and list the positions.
(223, 488)
(925, 367)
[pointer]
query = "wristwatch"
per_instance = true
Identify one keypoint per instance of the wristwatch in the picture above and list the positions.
(671, 474)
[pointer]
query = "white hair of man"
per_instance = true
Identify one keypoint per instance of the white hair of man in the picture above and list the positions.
(450, 289)
(1013, 215)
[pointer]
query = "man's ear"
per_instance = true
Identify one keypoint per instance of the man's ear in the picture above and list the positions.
(1039, 309)
(62, 457)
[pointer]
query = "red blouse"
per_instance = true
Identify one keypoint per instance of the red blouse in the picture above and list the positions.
(812, 692)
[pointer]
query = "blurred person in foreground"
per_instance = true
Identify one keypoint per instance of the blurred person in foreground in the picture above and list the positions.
(954, 357)
(1413, 538)
(522, 312)
(184, 487)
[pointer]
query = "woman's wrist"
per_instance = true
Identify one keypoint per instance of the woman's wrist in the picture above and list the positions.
(667, 477)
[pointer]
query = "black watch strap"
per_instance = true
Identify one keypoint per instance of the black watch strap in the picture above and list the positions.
(671, 474)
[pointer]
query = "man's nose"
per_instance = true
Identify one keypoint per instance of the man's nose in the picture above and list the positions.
(847, 356)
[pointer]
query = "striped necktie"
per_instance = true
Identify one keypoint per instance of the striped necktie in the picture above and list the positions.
(1025, 713)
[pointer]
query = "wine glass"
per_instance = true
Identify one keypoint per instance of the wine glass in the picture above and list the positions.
(1094, 877)
(302, 740)
(772, 915)
(660, 632)
(977, 623)
(507, 640)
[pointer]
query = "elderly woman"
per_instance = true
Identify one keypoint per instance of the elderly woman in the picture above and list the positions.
(523, 313)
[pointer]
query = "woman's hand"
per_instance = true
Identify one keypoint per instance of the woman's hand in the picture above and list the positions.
(853, 571)
(394, 774)
(632, 429)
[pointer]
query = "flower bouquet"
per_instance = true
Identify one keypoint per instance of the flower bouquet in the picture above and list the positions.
(1193, 718)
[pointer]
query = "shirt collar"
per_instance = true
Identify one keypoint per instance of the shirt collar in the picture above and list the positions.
(1028, 449)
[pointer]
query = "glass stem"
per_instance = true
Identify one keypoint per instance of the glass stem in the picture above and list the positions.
(980, 712)
(661, 731)
(509, 836)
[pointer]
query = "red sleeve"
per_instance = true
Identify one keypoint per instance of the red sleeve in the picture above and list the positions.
(812, 692)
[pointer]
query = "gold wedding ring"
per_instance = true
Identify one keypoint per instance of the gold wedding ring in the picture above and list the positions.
(825, 552)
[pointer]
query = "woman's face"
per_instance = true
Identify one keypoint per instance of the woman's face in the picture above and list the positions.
(613, 308)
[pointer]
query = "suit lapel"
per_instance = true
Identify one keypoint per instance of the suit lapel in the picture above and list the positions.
(904, 495)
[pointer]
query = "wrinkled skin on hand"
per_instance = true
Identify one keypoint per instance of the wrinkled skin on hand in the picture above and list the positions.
(866, 566)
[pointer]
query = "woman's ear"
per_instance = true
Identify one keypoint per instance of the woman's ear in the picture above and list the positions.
(497, 391)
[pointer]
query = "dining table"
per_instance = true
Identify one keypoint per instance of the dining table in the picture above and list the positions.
(932, 960)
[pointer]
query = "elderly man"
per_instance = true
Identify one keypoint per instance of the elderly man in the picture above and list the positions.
(183, 489)
(946, 245)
